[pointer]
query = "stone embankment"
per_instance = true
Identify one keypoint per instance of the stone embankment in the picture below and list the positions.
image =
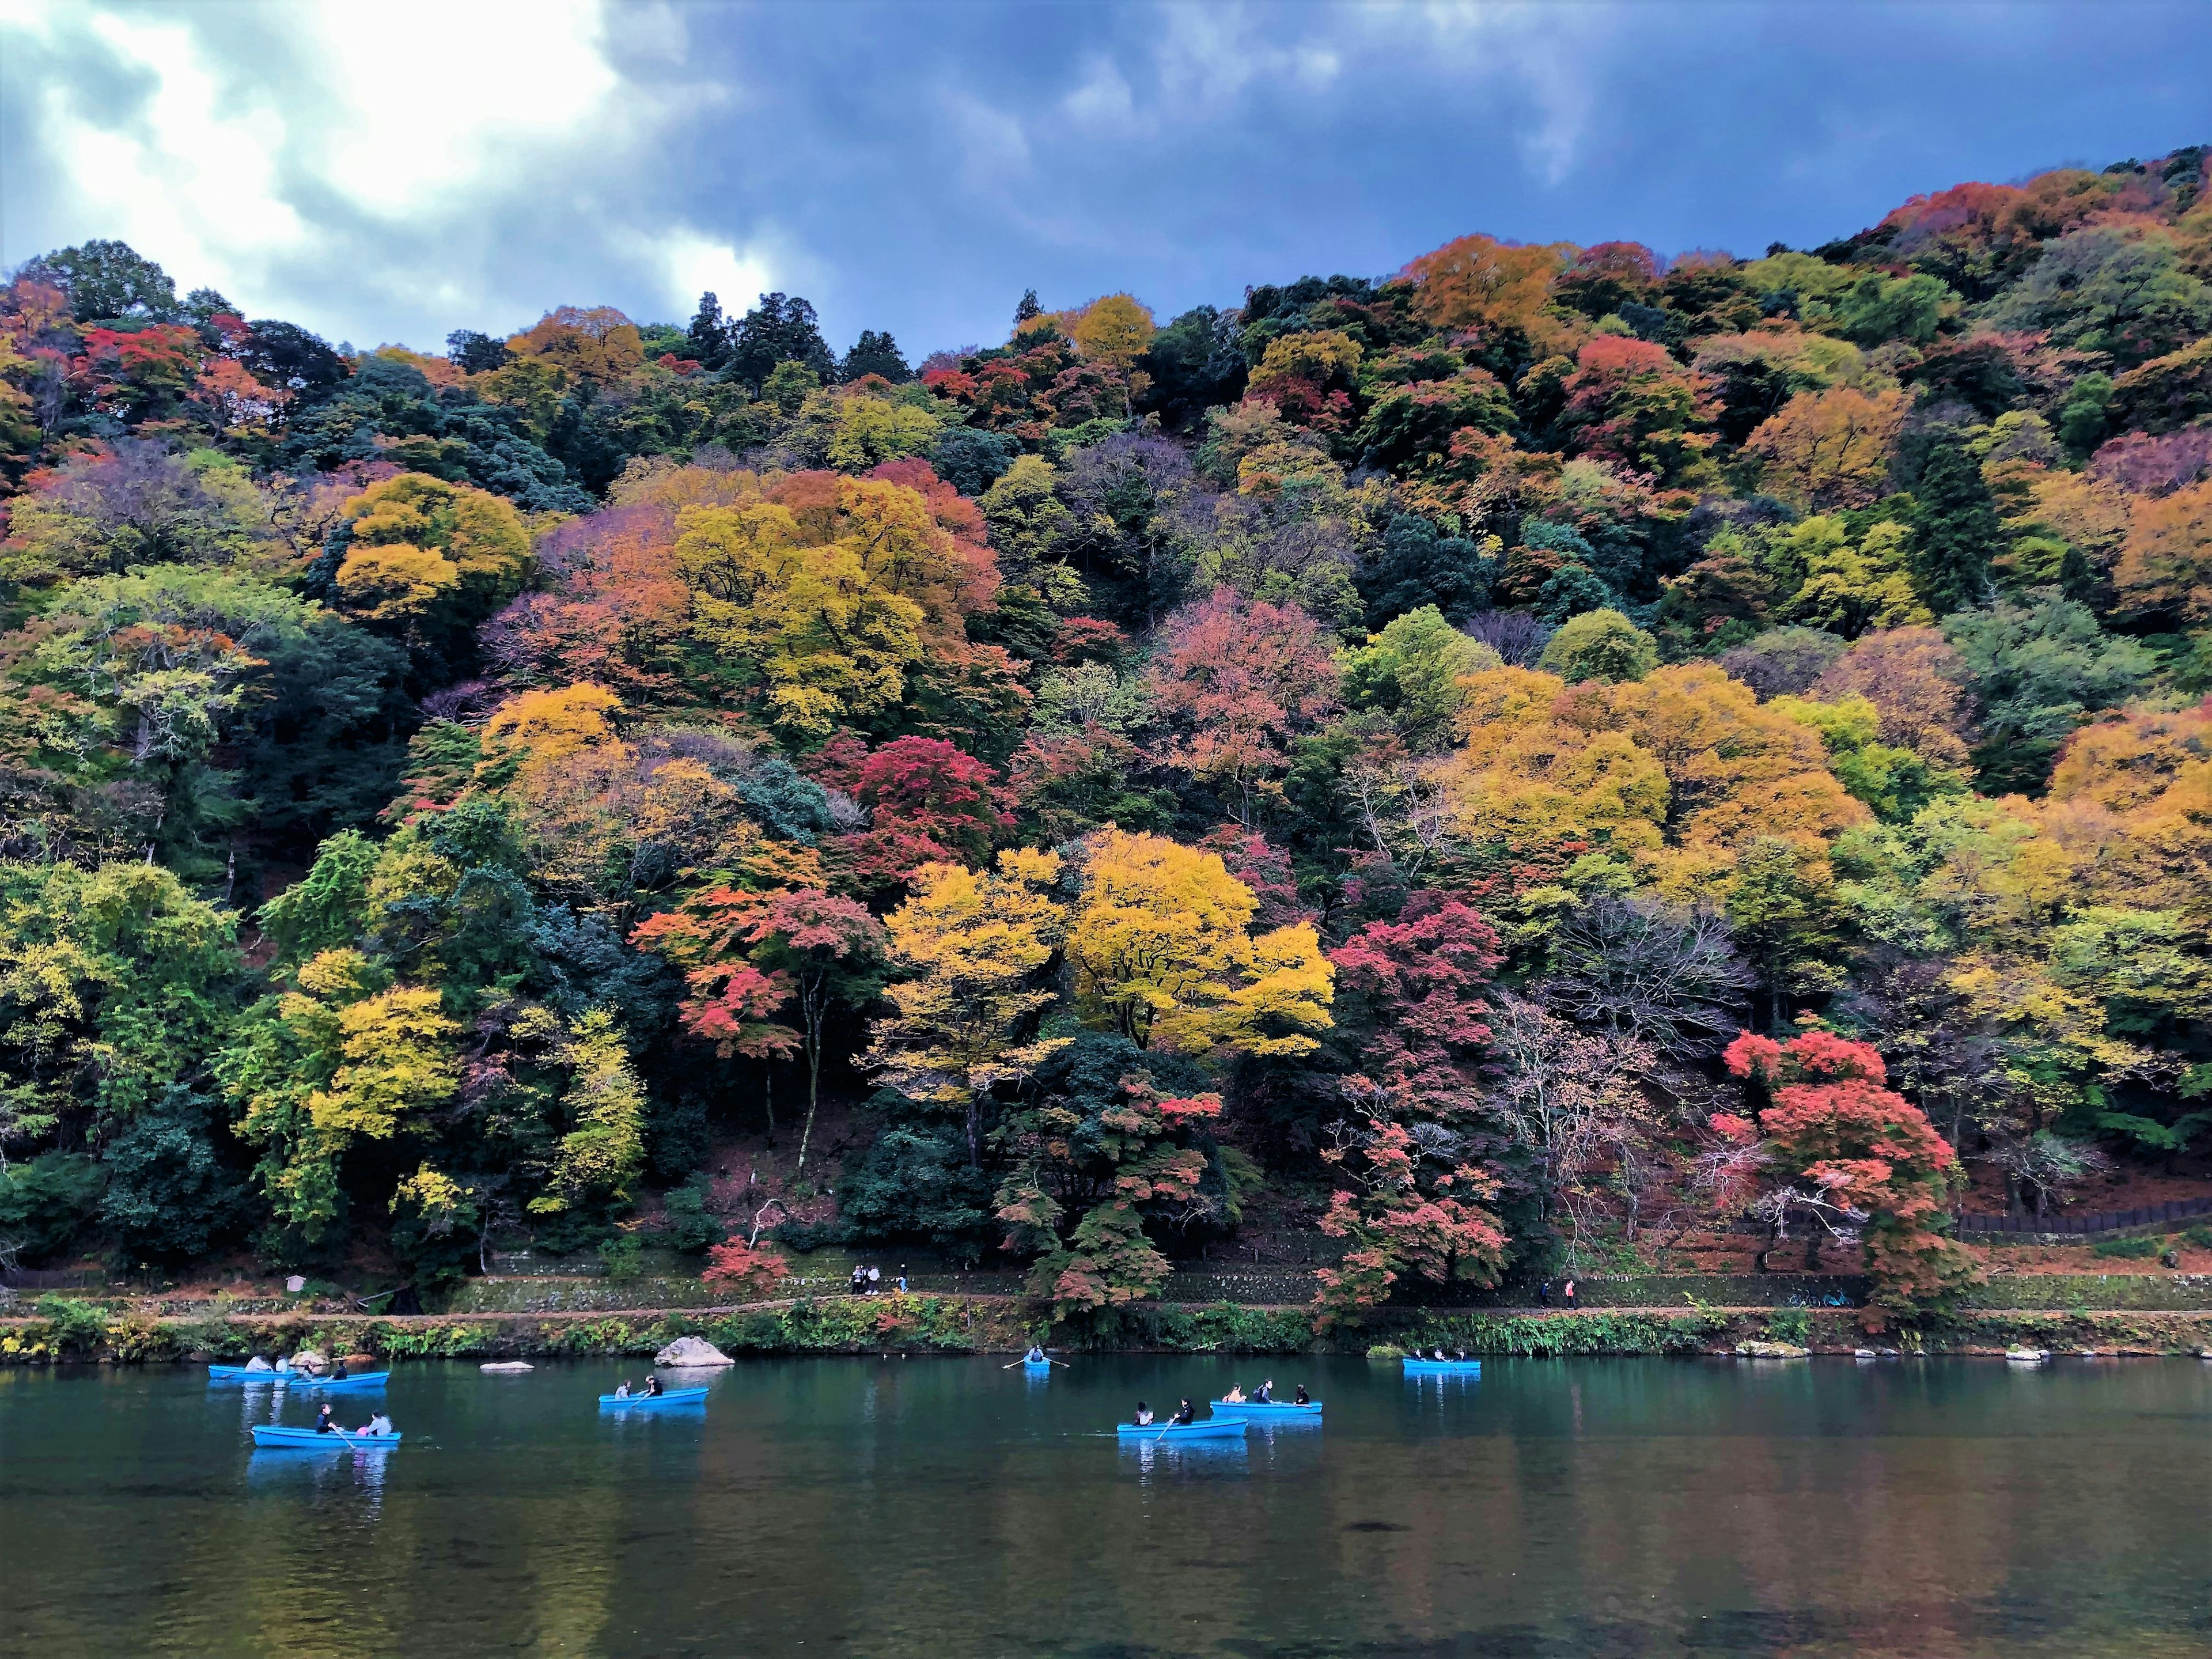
(929, 1323)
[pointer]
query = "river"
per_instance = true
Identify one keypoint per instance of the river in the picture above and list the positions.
(926, 1507)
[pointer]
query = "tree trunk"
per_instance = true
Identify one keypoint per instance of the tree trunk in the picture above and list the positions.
(811, 1000)
(767, 1093)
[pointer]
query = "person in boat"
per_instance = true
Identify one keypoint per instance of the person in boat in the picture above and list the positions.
(622, 1389)
(1302, 1399)
(652, 1388)
(282, 1367)
(256, 1364)
(1234, 1397)
(1462, 1356)
(1265, 1394)
(338, 1372)
(1143, 1415)
(1185, 1414)
(1035, 1356)
(378, 1423)
(1438, 1356)
(324, 1423)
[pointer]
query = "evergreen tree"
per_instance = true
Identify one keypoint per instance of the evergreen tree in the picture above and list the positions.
(778, 330)
(1958, 533)
(710, 333)
(875, 354)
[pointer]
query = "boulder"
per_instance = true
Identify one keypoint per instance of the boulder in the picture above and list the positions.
(507, 1367)
(1864, 1354)
(691, 1353)
(310, 1361)
(1772, 1351)
(2027, 1356)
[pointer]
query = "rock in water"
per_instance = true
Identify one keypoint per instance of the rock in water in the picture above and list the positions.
(2027, 1356)
(1772, 1351)
(507, 1367)
(691, 1353)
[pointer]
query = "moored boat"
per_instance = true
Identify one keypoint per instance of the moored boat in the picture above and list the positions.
(672, 1397)
(364, 1380)
(272, 1434)
(1442, 1367)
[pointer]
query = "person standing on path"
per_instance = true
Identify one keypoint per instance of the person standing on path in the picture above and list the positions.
(1544, 1294)
(1569, 1292)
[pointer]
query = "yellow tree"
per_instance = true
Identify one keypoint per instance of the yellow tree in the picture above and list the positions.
(425, 552)
(1163, 954)
(1832, 448)
(2166, 563)
(978, 941)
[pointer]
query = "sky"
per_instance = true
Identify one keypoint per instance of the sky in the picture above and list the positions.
(390, 172)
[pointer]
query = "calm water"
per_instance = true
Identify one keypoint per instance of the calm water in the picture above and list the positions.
(928, 1507)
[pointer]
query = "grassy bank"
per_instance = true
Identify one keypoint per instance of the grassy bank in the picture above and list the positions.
(924, 1324)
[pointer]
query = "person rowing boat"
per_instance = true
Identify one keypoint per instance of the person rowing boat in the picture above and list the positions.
(324, 1423)
(1265, 1394)
(1033, 1356)
(1184, 1415)
(257, 1364)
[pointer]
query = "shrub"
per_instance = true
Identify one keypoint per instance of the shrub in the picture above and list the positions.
(2130, 1249)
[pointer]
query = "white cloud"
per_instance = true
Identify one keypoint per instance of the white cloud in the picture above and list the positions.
(404, 130)
(695, 265)
(366, 169)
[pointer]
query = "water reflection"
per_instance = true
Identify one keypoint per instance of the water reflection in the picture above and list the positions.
(1622, 1508)
(1155, 1459)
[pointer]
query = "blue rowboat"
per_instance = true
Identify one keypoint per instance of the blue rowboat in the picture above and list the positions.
(365, 1380)
(1269, 1411)
(270, 1434)
(1218, 1428)
(242, 1374)
(1442, 1367)
(673, 1397)
(1036, 1367)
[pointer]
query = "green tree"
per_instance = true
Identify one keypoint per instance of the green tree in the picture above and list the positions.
(1957, 533)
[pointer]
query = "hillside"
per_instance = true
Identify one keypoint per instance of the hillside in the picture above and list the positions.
(1475, 762)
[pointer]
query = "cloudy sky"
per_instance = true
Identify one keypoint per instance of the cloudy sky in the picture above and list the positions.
(395, 169)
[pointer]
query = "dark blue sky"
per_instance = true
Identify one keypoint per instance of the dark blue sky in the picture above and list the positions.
(394, 171)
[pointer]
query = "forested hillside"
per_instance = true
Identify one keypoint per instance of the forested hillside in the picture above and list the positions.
(1457, 759)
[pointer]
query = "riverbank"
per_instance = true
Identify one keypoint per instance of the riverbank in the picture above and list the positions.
(923, 1323)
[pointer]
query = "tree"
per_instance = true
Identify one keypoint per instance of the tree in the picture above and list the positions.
(806, 946)
(1396, 1229)
(1848, 590)
(1103, 1154)
(875, 354)
(2165, 564)
(603, 1151)
(107, 281)
(1570, 1100)
(1162, 954)
(1600, 645)
(2039, 669)
(1410, 1007)
(1237, 680)
(778, 330)
(1411, 670)
(1826, 1138)
(1667, 981)
(1916, 683)
(1956, 532)
(1782, 906)
(1478, 282)
(709, 335)
(978, 945)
